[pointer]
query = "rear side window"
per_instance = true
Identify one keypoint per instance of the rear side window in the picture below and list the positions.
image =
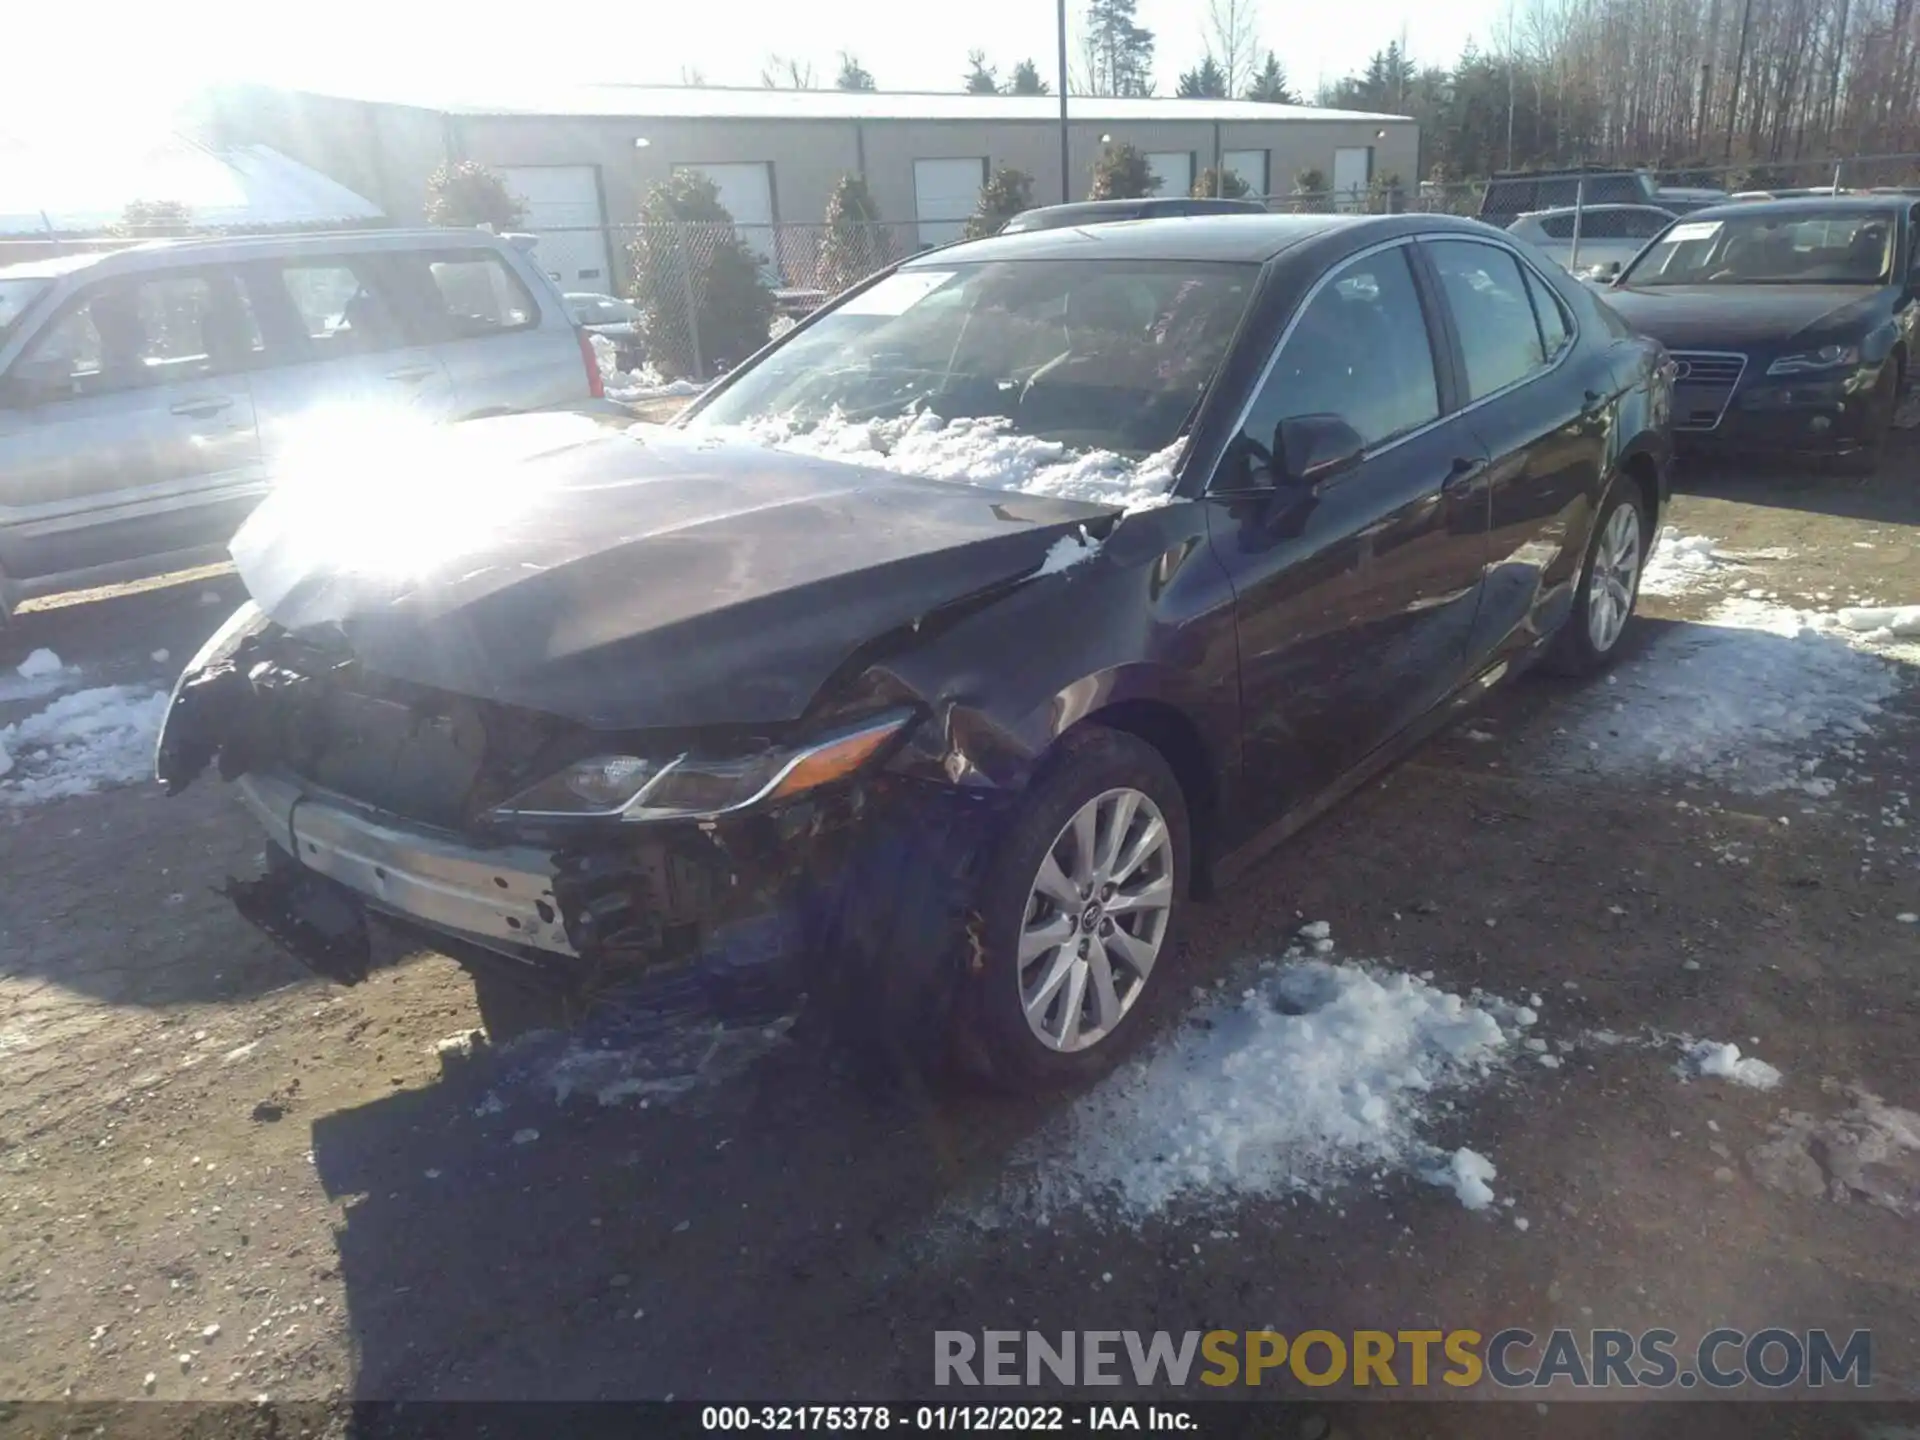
(1492, 313)
(340, 307)
(164, 329)
(479, 295)
(1557, 227)
(1556, 331)
(1643, 224)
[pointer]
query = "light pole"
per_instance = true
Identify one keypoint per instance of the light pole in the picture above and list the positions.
(1066, 178)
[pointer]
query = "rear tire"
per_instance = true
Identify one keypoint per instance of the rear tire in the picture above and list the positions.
(1616, 555)
(1074, 943)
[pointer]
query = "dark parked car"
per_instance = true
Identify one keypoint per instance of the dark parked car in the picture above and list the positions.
(951, 758)
(1793, 323)
(1105, 212)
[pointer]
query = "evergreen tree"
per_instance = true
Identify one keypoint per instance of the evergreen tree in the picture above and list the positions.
(1226, 184)
(980, 77)
(466, 193)
(1119, 52)
(1122, 173)
(853, 246)
(1007, 192)
(1270, 84)
(686, 246)
(1026, 80)
(853, 75)
(1206, 81)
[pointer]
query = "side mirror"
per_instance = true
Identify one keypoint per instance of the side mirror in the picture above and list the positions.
(1310, 450)
(35, 382)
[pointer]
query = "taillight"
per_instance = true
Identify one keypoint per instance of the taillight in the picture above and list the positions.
(596, 382)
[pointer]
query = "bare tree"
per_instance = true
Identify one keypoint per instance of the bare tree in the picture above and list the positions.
(1233, 39)
(780, 73)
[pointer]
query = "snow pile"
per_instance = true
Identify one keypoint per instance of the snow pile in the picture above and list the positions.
(646, 383)
(981, 451)
(1070, 550)
(1718, 1060)
(81, 743)
(1679, 563)
(1752, 698)
(1316, 1071)
(638, 1058)
(39, 664)
(1881, 623)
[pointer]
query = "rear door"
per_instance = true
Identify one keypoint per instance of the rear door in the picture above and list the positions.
(1538, 400)
(341, 344)
(139, 438)
(1354, 601)
(502, 351)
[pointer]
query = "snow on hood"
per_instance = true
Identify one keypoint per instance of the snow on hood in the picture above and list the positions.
(979, 451)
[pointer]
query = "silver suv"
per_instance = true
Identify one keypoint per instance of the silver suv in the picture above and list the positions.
(146, 394)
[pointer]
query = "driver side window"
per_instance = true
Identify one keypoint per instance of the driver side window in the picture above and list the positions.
(1360, 350)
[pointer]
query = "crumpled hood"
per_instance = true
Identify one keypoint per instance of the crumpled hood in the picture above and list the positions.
(624, 579)
(1720, 317)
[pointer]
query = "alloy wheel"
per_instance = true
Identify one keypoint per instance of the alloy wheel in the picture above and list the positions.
(1095, 919)
(1616, 570)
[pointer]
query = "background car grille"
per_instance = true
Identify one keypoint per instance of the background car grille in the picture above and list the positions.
(1703, 385)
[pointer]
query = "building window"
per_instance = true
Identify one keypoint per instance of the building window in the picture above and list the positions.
(1175, 171)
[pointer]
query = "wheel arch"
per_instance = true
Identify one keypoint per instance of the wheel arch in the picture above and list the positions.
(1178, 739)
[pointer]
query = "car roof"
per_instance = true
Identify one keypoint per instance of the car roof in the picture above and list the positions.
(1809, 205)
(1247, 239)
(241, 247)
(1608, 205)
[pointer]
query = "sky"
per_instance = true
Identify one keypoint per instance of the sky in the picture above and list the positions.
(126, 57)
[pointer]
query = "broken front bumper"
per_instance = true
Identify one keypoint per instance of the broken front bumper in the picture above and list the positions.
(496, 896)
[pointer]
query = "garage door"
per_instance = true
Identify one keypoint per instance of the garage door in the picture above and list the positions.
(945, 194)
(563, 209)
(1175, 170)
(746, 189)
(1352, 170)
(1250, 166)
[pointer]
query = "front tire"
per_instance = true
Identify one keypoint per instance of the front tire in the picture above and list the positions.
(1078, 916)
(1609, 587)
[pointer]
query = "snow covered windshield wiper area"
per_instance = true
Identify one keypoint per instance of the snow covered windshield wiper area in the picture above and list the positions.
(1064, 377)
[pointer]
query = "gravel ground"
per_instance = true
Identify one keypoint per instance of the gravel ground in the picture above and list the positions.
(221, 1178)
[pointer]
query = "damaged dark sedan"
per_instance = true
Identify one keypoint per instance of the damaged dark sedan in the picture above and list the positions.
(936, 660)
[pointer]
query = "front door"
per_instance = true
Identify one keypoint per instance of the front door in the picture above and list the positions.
(132, 434)
(1355, 600)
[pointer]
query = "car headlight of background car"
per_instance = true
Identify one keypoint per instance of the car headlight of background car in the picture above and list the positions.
(1827, 357)
(692, 787)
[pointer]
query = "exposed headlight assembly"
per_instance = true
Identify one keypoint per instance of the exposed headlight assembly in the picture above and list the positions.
(693, 787)
(1827, 357)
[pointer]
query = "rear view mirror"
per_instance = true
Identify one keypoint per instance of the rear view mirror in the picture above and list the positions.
(1310, 450)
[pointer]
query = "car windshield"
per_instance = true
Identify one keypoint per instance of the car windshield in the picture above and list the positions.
(1072, 355)
(15, 295)
(1837, 247)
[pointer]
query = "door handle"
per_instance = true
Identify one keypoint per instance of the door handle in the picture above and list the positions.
(1464, 473)
(412, 375)
(200, 409)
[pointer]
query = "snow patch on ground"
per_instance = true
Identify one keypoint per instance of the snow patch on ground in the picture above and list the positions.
(979, 451)
(646, 383)
(39, 663)
(80, 743)
(1755, 697)
(632, 1060)
(1312, 1073)
(1717, 1059)
(1679, 563)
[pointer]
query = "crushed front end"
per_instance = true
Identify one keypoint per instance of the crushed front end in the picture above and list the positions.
(569, 858)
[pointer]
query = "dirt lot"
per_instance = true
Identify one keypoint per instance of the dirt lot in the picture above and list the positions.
(221, 1178)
